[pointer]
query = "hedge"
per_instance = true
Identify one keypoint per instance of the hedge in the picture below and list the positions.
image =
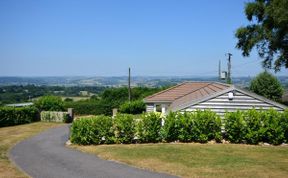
(199, 126)
(149, 128)
(254, 126)
(89, 107)
(124, 128)
(95, 130)
(10, 116)
(249, 127)
(133, 107)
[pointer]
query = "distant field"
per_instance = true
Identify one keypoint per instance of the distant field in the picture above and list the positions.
(199, 160)
(76, 98)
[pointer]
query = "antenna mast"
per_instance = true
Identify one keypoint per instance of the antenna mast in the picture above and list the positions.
(229, 80)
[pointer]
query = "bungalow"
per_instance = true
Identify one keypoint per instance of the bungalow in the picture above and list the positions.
(218, 97)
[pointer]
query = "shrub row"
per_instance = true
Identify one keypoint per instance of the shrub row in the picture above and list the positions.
(200, 126)
(97, 130)
(10, 116)
(249, 127)
(254, 126)
(89, 107)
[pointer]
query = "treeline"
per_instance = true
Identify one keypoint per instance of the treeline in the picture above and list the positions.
(113, 98)
(19, 93)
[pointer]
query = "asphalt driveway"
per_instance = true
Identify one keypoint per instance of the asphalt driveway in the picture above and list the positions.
(45, 155)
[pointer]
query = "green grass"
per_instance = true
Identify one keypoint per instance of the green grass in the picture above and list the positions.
(76, 98)
(9, 136)
(199, 160)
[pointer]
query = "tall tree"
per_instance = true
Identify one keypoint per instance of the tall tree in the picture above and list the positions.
(267, 31)
(267, 85)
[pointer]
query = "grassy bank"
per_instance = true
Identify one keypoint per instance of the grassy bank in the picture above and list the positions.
(9, 136)
(199, 160)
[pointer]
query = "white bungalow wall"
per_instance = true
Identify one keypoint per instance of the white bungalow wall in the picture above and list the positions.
(240, 101)
(151, 107)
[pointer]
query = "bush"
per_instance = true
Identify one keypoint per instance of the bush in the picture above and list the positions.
(199, 126)
(133, 107)
(149, 127)
(257, 126)
(10, 116)
(254, 126)
(125, 128)
(273, 130)
(206, 126)
(284, 123)
(170, 130)
(89, 107)
(235, 126)
(96, 130)
(50, 103)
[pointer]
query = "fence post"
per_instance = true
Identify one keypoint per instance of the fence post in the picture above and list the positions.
(114, 112)
(71, 113)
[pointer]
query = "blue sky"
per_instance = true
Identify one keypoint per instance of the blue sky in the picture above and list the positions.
(104, 38)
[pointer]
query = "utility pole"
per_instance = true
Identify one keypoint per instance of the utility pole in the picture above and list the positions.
(129, 85)
(229, 80)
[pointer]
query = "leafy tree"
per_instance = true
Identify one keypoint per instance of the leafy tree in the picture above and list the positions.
(267, 31)
(133, 107)
(50, 103)
(267, 85)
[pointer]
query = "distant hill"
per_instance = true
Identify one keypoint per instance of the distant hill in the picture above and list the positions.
(119, 81)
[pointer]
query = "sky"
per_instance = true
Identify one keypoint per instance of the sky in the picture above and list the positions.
(104, 38)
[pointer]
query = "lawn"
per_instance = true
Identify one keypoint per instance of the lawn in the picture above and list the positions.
(9, 136)
(199, 160)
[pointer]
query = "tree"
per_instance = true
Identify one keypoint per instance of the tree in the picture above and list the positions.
(267, 31)
(267, 85)
(50, 103)
(133, 107)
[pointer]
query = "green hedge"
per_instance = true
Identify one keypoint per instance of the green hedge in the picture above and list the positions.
(249, 127)
(96, 130)
(149, 128)
(254, 126)
(10, 116)
(199, 126)
(133, 107)
(124, 128)
(89, 107)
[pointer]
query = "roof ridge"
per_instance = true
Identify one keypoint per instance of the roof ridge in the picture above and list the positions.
(170, 88)
(192, 91)
(207, 83)
(209, 96)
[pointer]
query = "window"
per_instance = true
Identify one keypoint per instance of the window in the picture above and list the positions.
(158, 108)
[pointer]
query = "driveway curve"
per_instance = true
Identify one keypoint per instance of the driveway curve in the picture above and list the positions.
(45, 155)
